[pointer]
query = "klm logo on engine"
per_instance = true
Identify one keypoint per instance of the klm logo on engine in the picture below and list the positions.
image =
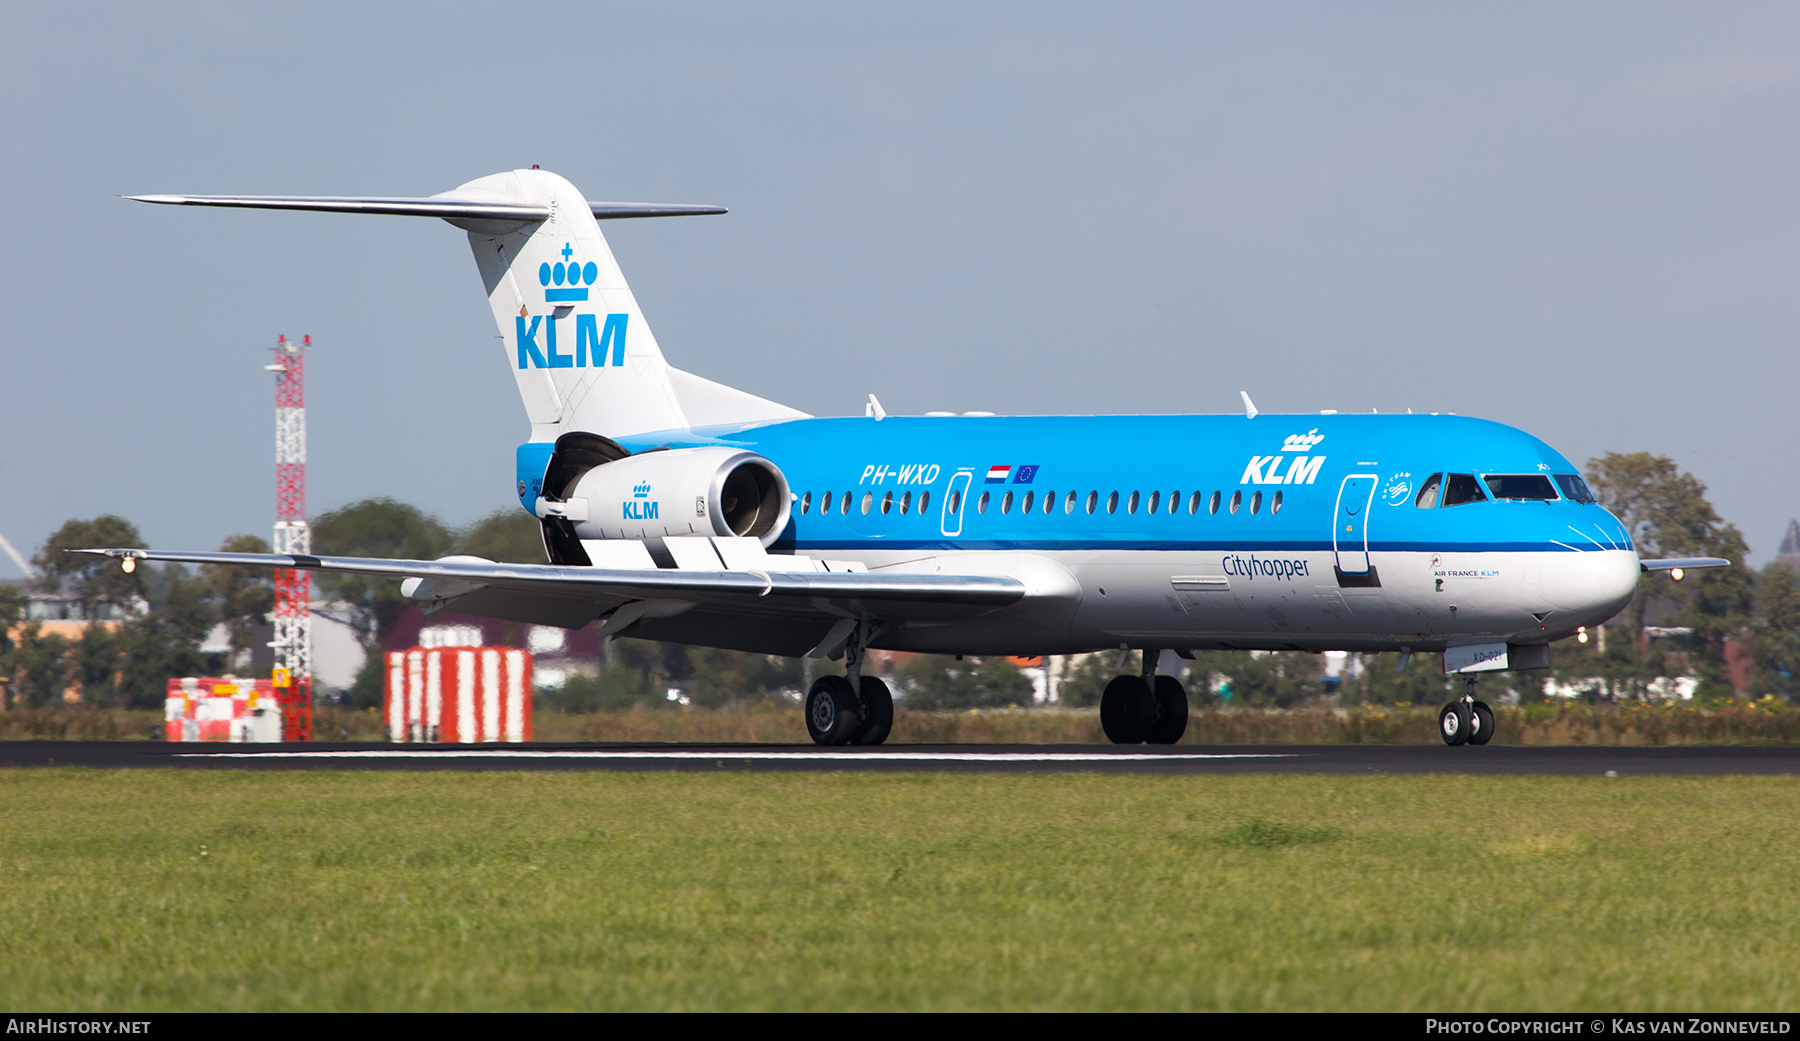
(566, 282)
(639, 506)
(1282, 468)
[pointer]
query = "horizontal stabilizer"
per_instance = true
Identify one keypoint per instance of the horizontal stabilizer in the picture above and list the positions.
(447, 206)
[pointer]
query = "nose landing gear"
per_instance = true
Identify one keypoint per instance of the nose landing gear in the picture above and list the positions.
(1465, 720)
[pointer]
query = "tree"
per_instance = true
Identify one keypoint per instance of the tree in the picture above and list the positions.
(91, 580)
(932, 681)
(1422, 682)
(164, 641)
(376, 528)
(244, 596)
(1774, 637)
(1278, 679)
(1666, 513)
(506, 536)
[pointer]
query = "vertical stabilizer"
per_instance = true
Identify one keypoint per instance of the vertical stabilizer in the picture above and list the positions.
(570, 329)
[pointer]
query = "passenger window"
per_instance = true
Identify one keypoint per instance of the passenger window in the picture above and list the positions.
(887, 503)
(924, 501)
(1174, 503)
(1275, 505)
(1574, 488)
(981, 503)
(1530, 487)
(1255, 503)
(906, 502)
(805, 503)
(845, 507)
(1155, 501)
(1460, 489)
(1069, 505)
(1026, 507)
(956, 502)
(825, 507)
(1237, 499)
(1112, 503)
(1132, 503)
(868, 500)
(1006, 503)
(1427, 499)
(1093, 501)
(1213, 506)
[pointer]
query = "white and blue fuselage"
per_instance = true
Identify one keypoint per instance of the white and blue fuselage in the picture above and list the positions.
(1273, 532)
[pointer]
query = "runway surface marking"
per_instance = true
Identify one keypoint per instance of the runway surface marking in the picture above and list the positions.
(874, 757)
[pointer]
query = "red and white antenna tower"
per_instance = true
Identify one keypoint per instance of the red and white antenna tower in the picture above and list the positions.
(293, 587)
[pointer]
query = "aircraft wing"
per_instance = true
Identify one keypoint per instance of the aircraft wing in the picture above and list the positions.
(571, 597)
(1683, 563)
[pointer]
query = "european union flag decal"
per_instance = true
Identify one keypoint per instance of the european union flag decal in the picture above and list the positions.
(1024, 474)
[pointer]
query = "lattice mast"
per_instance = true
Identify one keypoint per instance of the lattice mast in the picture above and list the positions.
(293, 588)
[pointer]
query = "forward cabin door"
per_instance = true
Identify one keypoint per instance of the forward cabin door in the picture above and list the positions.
(1350, 533)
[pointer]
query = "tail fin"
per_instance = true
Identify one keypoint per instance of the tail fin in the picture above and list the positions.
(584, 357)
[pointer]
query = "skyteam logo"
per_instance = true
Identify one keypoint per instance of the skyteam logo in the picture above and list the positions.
(566, 281)
(1301, 469)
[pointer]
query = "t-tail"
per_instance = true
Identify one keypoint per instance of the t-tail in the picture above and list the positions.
(570, 328)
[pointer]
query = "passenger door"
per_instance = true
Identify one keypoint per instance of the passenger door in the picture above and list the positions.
(1350, 532)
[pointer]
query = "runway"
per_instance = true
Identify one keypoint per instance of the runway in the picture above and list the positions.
(1711, 760)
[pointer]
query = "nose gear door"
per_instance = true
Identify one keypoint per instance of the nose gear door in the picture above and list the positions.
(1350, 532)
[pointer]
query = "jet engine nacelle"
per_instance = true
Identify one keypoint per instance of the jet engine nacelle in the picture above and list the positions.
(680, 491)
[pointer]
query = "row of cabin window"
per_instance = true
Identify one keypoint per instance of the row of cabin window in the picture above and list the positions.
(1030, 502)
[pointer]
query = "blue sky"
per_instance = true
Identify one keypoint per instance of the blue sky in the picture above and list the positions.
(1578, 219)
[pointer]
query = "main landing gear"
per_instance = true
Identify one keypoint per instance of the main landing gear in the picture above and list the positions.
(853, 709)
(1466, 721)
(1147, 709)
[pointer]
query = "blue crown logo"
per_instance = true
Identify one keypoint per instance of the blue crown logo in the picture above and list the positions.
(640, 490)
(566, 281)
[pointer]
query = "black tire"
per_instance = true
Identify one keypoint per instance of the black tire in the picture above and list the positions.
(1171, 712)
(833, 712)
(877, 713)
(1127, 710)
(1453, 723)
(1481, 726)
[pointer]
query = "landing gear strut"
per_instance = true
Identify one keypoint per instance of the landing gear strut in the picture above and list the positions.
(852, 709)
(1465, 720)
(1144, 709)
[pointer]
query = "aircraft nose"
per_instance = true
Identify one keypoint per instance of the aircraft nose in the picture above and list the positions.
(1593, 586)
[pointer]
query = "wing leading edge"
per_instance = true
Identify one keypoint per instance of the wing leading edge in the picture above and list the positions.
(573, 596)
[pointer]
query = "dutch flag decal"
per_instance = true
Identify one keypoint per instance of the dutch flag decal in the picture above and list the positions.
(997, 474)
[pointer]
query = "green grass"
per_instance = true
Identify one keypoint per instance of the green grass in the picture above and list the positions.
(141, 890)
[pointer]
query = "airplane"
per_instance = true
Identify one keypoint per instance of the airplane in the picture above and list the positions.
(675, 508)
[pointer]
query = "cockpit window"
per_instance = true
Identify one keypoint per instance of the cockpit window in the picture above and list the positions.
(1574, 488)
(1521, 486)
(1428, 492)
(1460, 489)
